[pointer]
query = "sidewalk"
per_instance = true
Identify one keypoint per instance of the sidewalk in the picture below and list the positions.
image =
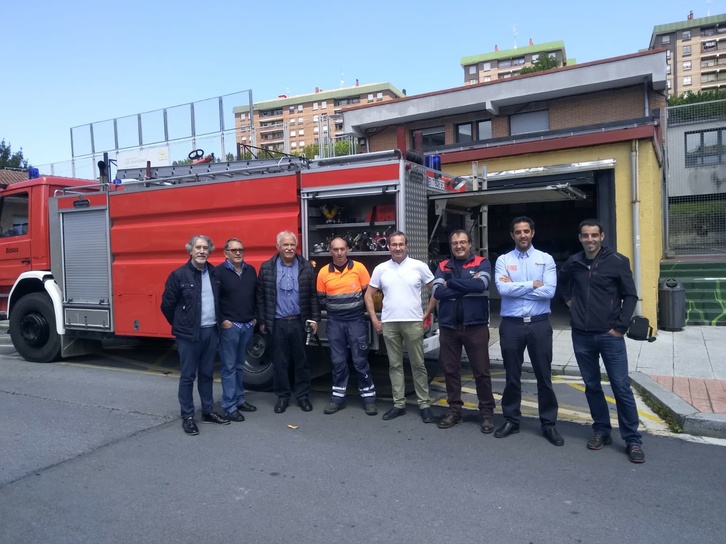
(684, 373)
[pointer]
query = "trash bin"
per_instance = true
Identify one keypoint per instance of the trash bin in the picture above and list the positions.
(671, 305)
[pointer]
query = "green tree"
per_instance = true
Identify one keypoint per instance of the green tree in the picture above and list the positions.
(708, 95)
(705, 104)
(8, 159)
(309, 151)
(543, 62)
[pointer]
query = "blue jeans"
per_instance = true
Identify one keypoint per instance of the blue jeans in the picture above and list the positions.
(196, 360)
(342, 334)
(588, 348)
(233, 344)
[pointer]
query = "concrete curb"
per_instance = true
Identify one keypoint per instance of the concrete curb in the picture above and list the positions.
(691, 420)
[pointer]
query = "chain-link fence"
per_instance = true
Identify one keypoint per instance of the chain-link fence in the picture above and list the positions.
(696, 179)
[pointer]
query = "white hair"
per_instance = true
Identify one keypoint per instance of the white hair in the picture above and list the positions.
(285, 234)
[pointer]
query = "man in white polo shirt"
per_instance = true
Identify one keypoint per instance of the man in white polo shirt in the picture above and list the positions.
(401, 280)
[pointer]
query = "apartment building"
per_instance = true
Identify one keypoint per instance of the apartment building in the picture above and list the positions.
(695, 53)
(290, 123)
(507, 63)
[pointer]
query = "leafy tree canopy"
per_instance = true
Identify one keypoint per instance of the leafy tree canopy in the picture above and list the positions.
(8, 159)
(543, 62)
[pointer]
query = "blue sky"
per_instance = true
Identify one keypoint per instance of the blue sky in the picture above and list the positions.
(75, 62)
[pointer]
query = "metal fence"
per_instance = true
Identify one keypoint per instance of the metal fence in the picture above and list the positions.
(696, 179)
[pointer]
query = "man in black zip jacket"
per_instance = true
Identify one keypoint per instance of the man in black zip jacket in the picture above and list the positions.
(190, 303)
(597, 285)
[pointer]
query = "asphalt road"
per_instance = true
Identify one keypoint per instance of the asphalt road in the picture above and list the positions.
(96, 454)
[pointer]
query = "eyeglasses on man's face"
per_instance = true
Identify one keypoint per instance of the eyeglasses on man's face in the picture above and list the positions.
(236, 250)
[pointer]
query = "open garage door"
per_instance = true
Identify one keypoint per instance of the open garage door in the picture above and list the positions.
(492, 197)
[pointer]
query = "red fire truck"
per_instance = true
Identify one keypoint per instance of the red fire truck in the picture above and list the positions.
(83, 261)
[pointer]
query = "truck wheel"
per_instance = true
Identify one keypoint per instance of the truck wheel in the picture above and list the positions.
(258, 364)
(32, 329)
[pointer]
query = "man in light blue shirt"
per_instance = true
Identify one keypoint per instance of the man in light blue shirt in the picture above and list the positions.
(526, 279)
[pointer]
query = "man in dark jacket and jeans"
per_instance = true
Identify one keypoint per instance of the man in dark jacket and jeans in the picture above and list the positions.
(189, 303)
(461, 285)
(286, 299)
(597, 286)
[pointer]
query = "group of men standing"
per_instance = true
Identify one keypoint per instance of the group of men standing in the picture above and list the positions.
(286, 297)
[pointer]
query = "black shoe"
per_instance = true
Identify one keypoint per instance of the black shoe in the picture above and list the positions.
(281, 405)
(332, 408)
(190, 426)
(598, 441)
(487, 425)
(393, 413)
(553, 436)
(371, 409)
(305, 405)
(449, 420)
(635, 453)
(214, 417)
(246, 407)
(427, 416)
(506, 429)
(235, 416)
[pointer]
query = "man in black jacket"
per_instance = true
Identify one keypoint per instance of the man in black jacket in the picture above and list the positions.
(461, 285)
(189, 303)
(286, 299)
(597, 286)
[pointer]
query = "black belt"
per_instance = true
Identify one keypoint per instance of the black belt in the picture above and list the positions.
(527, 318)
(289, 318)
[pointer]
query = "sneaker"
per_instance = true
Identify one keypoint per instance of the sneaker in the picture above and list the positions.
(333, 407)
(214, 417)
(235, 416)
(371, 409)
(598, 441)
(635, 453)
(189, 426)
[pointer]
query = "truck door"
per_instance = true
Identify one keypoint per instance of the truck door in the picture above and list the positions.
(14, 242)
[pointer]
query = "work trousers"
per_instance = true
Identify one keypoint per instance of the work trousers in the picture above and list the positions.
(589, 347)
(196, 360)
(395, 333)
(351, 334)
(288, 347)
(475, 339)
(514, 336)
(233, 344)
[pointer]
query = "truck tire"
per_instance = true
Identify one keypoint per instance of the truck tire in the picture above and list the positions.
(258, 364)
(32, 329)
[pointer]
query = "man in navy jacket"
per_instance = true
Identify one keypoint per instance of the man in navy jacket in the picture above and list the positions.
(461, 286)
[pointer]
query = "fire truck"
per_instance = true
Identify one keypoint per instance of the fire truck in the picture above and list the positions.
(84, 261)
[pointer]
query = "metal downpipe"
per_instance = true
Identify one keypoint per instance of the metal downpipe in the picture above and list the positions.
(635, 185)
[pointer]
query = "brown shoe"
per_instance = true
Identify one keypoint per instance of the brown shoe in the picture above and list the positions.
(449, 420)
(487, 425)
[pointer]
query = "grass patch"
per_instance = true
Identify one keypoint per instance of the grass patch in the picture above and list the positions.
(659, 410)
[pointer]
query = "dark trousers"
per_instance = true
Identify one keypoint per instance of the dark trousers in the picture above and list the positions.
(514, 337)
(475, 339)
(351, 334)
(288, 341)
(196, 360)
(589, 347)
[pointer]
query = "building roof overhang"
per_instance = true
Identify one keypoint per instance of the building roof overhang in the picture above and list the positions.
(647, 68)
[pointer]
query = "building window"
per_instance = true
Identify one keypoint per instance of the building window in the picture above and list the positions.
(518, 62)
(487, 66)
(707, 78)
(710, 45)
(665, 40)
(302, 143)
(293, 133)
(532, 121)
(347, 101)
(472, 70)
(686, 65)
(316, 118)
(668, 53)
(242, 116)
(315, 130)
(484, 130)
(686, 50)
(315, 106)
(300, 132)
(292, 121)
(668, 69)
(487, 78)
(535, 58)
(300, 108)
(370, 98)
(324, 104)
(552, 55)
(431, 138)
(706, 148)
(686, 80)
(379, 97)
(464, 132)
(300, 121)
(686, 35)
(292, 109)
(668, 83)
(505, 63)
(473, 81)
